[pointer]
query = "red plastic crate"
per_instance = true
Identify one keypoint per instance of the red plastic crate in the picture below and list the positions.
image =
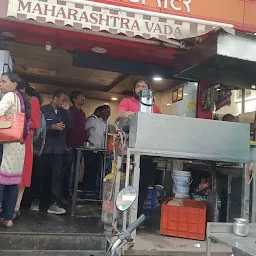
(188, 221)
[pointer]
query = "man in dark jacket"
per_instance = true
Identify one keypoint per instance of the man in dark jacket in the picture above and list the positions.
(58, 119)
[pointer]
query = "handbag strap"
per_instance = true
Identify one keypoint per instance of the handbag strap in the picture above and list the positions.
(21, 101)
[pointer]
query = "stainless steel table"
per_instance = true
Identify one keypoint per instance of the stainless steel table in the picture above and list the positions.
(223, 233)
(77, 171)
(137, 153)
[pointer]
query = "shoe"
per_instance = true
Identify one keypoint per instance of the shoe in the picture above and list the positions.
(16, 214)
(8, 223)
(55, 209)
(35, 206)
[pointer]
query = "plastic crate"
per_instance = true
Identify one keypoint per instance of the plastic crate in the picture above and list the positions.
(188, 221)
(150, 202)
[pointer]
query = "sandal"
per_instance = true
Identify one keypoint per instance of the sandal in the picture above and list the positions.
(8, 223)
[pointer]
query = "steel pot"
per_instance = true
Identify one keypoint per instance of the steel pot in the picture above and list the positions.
(241, 227)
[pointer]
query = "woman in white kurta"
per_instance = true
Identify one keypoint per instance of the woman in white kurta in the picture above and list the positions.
(13, 154)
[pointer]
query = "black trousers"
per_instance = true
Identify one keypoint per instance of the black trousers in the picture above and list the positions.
(48, 176)
(68, 179)
(147, 178)
(92, 168)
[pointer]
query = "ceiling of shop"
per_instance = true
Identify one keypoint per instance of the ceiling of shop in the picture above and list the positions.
(52, 70)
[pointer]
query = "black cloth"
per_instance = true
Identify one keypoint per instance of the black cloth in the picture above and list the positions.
(69, 176)
(147, 175)
(48, 176)
(92, 168)
(56, 140)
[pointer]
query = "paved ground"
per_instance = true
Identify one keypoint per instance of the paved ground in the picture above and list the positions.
(147, 244)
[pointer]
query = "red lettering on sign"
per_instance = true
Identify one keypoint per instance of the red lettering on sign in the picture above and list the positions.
(94, 18)
(49, 11)
(135, 25)
(125, 23)
(102, 19)
(37, 9)
(84, 17)
(61, 13)
(72, 14)
(149, 29)
(24, 7)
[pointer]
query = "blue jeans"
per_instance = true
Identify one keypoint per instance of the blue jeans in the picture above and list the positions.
(10, 194)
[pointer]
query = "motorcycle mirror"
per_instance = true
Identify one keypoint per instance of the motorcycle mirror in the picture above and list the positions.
(126, 198)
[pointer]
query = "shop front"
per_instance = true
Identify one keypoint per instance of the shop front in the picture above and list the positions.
(187, 40)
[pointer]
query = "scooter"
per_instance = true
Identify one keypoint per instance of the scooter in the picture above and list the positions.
(124, 200)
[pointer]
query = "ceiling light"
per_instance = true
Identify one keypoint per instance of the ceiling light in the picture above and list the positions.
(99, 50)
(157, 78)
(113, 98)
(253, 87)
(8, 34)
(168, 104)
(106, 103)
(185, 94)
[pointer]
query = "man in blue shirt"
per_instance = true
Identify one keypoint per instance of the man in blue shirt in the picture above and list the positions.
(50, 163)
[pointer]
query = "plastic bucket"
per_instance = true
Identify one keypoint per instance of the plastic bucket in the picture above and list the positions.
(181, 182)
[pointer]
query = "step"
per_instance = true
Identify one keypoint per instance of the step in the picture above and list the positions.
(52, 241)
(50, 253)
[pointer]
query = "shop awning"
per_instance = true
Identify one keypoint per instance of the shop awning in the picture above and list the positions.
(220, 59)
(113, 19)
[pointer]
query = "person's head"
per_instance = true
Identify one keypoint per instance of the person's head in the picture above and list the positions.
(228, 118)
(77, 98)
(139, 85)
(106, 112)
(9, 82)
(31, 91)
(59, 99)
(98, 111)
(24, 85)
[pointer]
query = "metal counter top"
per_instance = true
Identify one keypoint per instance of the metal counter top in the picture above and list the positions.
(186, 155)
(222, 233)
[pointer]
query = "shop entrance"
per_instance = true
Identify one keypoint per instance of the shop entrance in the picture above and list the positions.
(104, 69)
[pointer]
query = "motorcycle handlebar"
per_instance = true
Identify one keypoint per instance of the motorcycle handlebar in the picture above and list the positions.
(136, 223)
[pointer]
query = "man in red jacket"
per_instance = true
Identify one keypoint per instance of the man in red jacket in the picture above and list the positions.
(129, 106)
(76, 136)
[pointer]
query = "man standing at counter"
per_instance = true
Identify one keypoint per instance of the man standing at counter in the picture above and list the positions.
(129, 106)
(126, 108)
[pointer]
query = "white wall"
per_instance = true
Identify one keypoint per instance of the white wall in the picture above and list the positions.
(185, 107)
(236, 106)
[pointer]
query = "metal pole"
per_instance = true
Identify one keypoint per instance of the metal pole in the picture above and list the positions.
(136, 183)
(243, 101)
(127, 176)
(229, 196)
(254, 200)
(214, 190)
(74, 197)
(245, 200)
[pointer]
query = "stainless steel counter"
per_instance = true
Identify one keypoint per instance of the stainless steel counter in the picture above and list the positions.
(222, 233)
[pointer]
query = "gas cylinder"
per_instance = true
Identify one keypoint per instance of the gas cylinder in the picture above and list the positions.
(108, 198)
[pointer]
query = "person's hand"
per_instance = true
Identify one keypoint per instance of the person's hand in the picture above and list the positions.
(215, 117)
(58, 126)
(65, 106)
(68, 149)
(128, 113)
